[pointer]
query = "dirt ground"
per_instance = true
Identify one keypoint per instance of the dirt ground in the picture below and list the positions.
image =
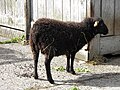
(16, 72)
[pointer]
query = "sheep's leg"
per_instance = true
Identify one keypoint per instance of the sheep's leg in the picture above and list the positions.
(48, 70)
(36, 55)
(68, 63)
(35, 52)
(72, 63)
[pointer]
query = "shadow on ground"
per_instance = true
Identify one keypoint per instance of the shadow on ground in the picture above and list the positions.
(95, 80)
(8, 56)
(113, 59)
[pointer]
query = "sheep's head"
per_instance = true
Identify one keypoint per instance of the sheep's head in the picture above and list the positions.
(99, 26)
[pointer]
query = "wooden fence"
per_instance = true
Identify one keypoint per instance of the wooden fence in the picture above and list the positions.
(109, 10)
(12, 14)
(17, 14)
(66, 10)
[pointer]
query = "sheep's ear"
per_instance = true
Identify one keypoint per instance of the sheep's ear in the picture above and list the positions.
(96, 23)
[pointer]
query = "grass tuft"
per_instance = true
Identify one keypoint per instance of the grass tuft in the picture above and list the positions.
(85, 70)
(14, 40)
(61, 68)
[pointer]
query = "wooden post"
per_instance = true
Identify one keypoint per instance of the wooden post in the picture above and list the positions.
(95, 43)
(27, 18)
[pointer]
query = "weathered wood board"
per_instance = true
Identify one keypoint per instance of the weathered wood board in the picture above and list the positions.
(108, 14)
(66, 10)
(109, 10)
(109, 44)
(50, 8)
(117, 17)
(57, 12)
(12, 13)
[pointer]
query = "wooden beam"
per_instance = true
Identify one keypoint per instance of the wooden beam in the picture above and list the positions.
(27, 6)
(117, 17)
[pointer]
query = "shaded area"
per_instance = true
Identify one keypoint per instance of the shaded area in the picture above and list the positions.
(114, 56)
(96, 80)
(8, 56)
(113, 59)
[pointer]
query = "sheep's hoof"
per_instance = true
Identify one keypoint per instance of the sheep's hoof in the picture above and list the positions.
(73, 72)
(68, 70)
(51, 81)
(36, 76)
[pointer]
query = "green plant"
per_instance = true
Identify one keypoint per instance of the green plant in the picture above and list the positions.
(61, 68)
(82, 70)
(74, 88)
(14, 40)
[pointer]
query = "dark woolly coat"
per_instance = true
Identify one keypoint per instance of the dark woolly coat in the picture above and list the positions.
(63, 37)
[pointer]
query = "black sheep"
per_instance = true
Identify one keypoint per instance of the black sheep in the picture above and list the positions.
(55, 38)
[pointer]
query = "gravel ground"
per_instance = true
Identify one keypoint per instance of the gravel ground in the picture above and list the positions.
(16, 72)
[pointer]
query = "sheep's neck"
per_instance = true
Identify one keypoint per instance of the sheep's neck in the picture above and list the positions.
(88, 38)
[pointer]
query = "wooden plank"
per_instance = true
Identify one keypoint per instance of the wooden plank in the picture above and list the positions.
(10, 13)
(58, 9)
(7, 32)
(97, 7)
(22, 17)
(35, 8)
(2, 9)
(13, 18)
(27, 18)
(50, 8)
(19, 14)
(78, 10)
(6, 14)
(41, 9)
(4, 21)
(31, 9)
(9, 19)
(2, 6)
(66, 10)
(13, 13)
(82, 9)
(75, 10)
(117, 17)
(111, 48)
(88, 8)
(108, 14)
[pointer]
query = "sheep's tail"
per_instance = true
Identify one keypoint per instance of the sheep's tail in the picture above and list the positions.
(34, 31)
(32, 36)
(33, 40)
